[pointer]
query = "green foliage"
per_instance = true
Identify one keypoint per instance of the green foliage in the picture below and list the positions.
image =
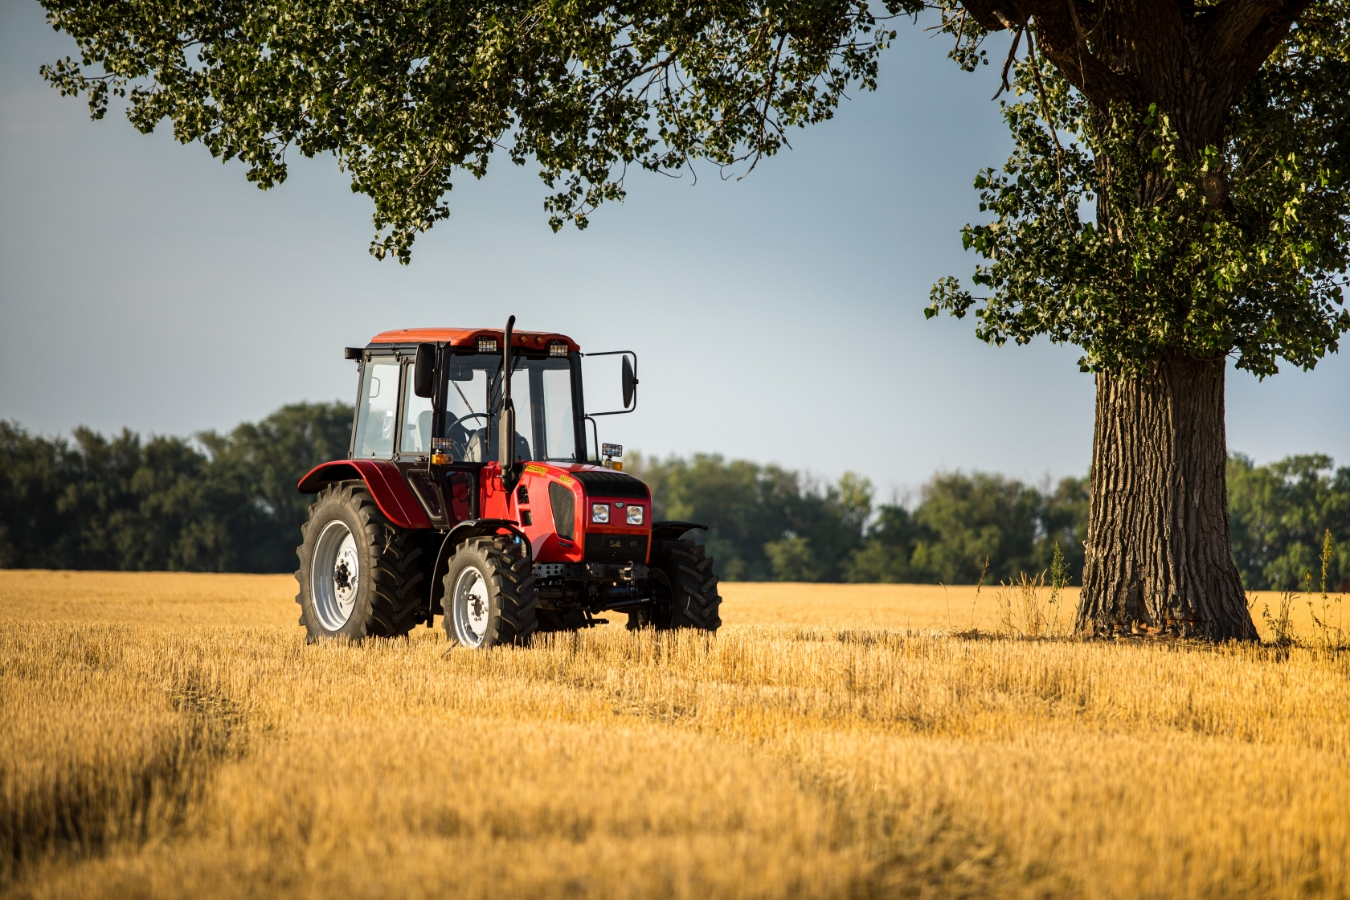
(963, 520)
(1239, 247)
(1281, 517)
(269, 457)
(885, 555)
(121, 503)
(405, 93)
(229, 503)
(768, 524)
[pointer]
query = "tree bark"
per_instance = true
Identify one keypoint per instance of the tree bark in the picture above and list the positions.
(1158, 552)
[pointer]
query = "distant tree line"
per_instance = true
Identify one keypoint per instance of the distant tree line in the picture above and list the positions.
(221, 503)
(771, 524)
(228, 503)
(1279, 516)
(767, 523)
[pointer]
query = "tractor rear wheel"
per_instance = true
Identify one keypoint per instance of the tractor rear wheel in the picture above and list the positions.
(360, 576)
(489, 594)
(684, 591)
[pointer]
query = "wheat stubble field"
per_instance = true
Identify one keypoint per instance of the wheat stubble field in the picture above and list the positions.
(171, 736)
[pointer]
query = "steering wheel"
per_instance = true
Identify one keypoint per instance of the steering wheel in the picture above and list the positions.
(459, 435)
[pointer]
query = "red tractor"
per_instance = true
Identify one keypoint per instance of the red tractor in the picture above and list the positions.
(470, 490)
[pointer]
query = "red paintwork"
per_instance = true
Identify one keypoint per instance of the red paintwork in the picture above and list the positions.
(468, 337)
(496, 503)
(392, 494)
(401, 508)
(545, 545)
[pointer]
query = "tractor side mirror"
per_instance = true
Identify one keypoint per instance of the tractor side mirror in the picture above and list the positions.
(628, 381)
(629, 384)
(424, 371)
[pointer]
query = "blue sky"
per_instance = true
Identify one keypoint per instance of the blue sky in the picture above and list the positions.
(777, 318)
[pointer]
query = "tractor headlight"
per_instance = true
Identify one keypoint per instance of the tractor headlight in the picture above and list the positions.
(600, 513)
(487, 345)
(557, 348)
(634, 515)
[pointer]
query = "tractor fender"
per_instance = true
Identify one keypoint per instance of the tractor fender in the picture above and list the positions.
(454, 537)
(383, 480)
(672, 531)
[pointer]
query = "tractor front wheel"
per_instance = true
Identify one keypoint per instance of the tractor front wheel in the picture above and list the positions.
(684, 590)
(360, 576)
(489, 594)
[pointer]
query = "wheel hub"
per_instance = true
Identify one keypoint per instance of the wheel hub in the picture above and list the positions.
(335, 575)
(471, 607)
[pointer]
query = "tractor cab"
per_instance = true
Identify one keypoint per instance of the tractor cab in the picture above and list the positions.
(470, 454)
(456, 414)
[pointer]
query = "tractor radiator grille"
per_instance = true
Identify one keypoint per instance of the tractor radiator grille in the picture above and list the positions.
(616, 548)
(611, 484)
(564, 510)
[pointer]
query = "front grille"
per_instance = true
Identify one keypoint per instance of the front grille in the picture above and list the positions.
(564, 509)
(616, 547)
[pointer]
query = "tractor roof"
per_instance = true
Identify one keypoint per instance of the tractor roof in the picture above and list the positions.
(468, 337)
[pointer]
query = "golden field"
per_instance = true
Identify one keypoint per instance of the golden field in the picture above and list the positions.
(169, 735)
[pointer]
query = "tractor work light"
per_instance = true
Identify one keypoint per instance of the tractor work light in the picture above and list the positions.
(634, 515)
(487, 345)
(600, 513)
(557, 348)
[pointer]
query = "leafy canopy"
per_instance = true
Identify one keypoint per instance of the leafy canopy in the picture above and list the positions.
(407, 92)
(1108, 232)
(1235, 245)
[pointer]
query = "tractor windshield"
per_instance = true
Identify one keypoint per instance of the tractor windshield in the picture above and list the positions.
(541, 390)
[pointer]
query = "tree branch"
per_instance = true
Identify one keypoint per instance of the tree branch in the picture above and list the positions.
(1060, 40)
(1007, 64)
(1227, 33)
(1237, 62)
(995, 15)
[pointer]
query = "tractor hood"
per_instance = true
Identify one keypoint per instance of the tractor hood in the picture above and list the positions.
(582, 513)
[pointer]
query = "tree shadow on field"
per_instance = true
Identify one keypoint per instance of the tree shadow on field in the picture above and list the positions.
(121, 746)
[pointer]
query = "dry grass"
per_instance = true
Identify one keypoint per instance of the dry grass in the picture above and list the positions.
(173, 600)
(814, 748)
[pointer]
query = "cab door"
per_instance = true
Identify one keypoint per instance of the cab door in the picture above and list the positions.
(412, 455)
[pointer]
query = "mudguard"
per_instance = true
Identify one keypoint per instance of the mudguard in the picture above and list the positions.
(382, 479)
(670, 531)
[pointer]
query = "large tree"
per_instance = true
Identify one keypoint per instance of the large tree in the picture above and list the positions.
(1178, 198)
(1210, 137)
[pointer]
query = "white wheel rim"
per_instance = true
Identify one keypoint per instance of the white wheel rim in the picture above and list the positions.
(334, 575)
(471, 610)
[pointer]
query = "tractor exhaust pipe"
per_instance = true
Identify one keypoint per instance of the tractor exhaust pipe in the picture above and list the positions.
(506, 428)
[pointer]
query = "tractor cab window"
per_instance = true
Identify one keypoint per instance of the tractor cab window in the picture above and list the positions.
(377, 409)
(417, 413)
(541, 391)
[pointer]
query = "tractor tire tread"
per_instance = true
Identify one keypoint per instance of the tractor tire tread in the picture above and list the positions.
(514, 582)
(694, 601)
(397, 569)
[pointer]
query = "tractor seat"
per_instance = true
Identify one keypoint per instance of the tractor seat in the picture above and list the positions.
(481, 449)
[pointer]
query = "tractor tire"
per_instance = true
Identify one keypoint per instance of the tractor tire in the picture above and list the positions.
(489, 594)
(360, 576)
(684, 591)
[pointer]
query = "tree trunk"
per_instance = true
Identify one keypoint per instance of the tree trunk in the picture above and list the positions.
(1158, 553)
